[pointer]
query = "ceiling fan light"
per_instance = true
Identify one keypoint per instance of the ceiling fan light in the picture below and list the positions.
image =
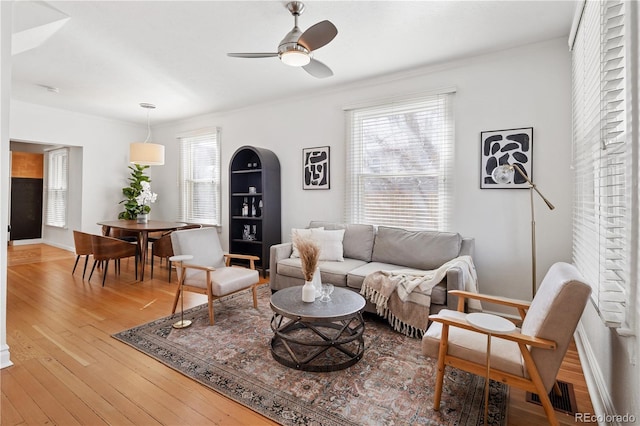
(295, 58)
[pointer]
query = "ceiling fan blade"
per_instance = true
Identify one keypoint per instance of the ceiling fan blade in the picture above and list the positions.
(318, 35)
(318, 69)
(252, 55)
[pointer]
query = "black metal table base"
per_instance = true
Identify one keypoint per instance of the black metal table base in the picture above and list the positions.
(314, 344)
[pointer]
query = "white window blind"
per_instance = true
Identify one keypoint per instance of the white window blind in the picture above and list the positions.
(602, 166)
(200, 178)
(399, 163)
(57, 187)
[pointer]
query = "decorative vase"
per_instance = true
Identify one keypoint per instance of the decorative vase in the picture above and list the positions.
(142, 218)
(308, 292)
(317, 282)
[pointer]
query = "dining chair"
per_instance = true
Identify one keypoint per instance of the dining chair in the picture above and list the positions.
(209, 271)
(528, 358)
(161, 247)
(83, 247)
(109, 248)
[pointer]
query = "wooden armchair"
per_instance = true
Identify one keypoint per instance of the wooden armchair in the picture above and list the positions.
(82, 242)
(163, 248)
(209, 271)
(528, 358)
(108, 248)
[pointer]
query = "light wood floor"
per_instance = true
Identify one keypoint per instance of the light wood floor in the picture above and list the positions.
(69, 370)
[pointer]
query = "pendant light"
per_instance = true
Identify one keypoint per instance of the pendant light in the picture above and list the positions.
(147, 153)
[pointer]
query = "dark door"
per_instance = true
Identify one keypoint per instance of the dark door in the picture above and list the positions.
(26, 208)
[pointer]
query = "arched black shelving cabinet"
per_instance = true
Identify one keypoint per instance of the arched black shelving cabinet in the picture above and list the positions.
(254, 179)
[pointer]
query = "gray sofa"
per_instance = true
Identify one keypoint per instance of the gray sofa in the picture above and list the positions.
(368, 249)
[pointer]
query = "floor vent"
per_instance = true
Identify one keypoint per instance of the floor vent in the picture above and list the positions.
(565, 402)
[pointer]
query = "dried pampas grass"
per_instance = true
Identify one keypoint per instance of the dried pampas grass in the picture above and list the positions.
(309, 255)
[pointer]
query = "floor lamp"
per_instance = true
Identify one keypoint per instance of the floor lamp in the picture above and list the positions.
(504, 174)
(181, 258)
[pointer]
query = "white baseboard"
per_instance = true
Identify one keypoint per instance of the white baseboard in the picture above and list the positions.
(60, 246)
(5, 360)
(25, 242)
(598, 390)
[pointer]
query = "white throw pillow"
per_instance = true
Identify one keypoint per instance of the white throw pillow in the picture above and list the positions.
(330, 243)
(304, 233)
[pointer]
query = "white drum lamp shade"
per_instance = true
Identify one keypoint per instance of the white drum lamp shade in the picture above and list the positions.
(146, 153)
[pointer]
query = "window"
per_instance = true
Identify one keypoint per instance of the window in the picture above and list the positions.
(399, 163)
(57, 187)
(200, 178)
(602, 205)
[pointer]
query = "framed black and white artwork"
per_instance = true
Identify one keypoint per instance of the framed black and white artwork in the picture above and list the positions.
(502, 147)
(315, 168)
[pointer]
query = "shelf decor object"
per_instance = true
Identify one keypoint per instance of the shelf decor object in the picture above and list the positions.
(254, 203)
(500, 147)
(505, 174)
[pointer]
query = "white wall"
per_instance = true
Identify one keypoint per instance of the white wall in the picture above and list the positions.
(98, 161)
(524, 87)
(5, 91)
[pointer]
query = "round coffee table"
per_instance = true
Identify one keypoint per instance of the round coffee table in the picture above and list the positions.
(317, 336)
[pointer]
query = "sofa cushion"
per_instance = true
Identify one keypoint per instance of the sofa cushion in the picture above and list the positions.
(302, 233)
(425, 250)
(332, 272)
(328, 241)
(358, 239)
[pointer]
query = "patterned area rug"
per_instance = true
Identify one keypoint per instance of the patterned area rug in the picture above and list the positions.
(391, 385)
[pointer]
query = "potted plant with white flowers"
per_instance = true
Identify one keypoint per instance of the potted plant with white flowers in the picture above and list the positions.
(138, 195)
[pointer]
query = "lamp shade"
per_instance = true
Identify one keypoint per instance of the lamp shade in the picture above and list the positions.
(146, 154)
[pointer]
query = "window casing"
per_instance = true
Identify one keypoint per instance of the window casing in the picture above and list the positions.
(199, 178)
(57, 187)
(399, 163)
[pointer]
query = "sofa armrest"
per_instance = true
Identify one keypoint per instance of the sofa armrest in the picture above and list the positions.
(277, 252)
(454, 282)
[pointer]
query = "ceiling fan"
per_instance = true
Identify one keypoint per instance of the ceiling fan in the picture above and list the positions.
(297, 47)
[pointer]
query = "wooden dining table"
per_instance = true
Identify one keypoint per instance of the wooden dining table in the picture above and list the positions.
(143, 230)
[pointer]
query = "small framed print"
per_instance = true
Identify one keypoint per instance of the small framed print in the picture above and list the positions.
(315, 168)
(500, 147)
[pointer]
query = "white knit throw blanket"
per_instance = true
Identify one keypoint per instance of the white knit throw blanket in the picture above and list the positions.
(414, 286)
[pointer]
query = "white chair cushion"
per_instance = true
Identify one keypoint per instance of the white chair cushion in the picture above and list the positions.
(201, 243)
(472, 346)
(224, 280)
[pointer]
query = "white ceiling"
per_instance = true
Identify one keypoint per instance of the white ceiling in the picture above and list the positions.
(112, 55)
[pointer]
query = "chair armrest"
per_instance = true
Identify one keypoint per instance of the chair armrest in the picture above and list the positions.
(514, 337)
(520, 305)
(199, 267)
(242, 256)
(249, 257)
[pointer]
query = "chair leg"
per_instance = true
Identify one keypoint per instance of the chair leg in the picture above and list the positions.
(442, 353)
(75, 264)
(84, 271)
(254, 290)
(95, 262)
(537, 381)
(210, 297)
(169, 263)
(104, 273)
(152, 256)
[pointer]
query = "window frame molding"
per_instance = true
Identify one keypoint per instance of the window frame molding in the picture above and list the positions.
(217, 181)
(446, 169)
